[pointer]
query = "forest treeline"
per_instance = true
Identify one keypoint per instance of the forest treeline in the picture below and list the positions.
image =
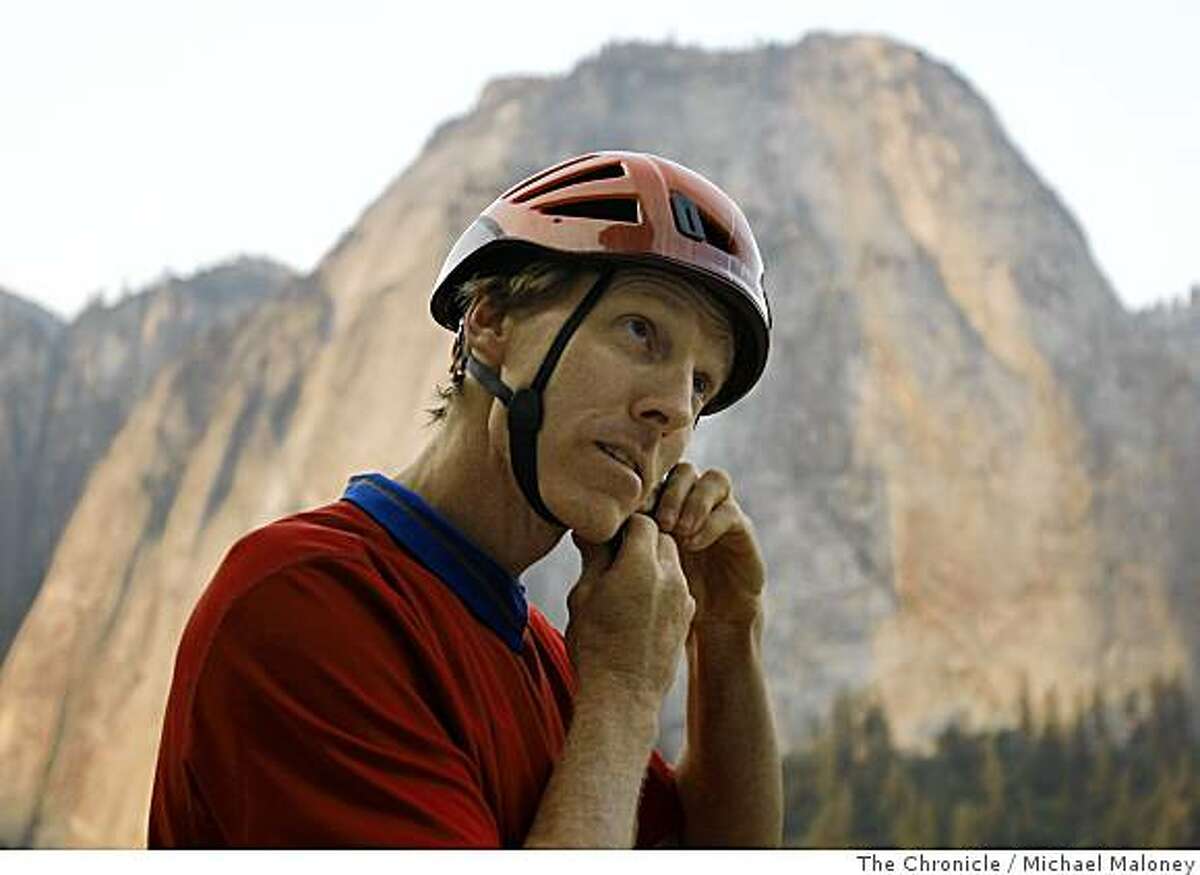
(1124, 777)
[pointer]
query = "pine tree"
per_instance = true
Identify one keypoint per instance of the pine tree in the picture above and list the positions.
(871, 771)
(1116, 829)
(967, 826)
(1168, 812)
(1049, 758)
(1102, 780)
(992, 827)
(1071, 803)
(833, 827)
(1062, 784)
(911, 818)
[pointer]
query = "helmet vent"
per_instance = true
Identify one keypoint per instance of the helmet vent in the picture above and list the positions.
(624, 209)
(605, 171)
(715, 235)
(696, 224)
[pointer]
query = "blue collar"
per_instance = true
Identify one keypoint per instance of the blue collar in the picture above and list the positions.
(489, 592)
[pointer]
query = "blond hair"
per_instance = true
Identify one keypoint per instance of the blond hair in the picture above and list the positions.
(533, 283)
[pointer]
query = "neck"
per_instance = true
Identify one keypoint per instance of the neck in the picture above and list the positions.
(469, 482)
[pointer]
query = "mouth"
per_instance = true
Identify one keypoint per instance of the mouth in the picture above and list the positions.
(622, 457)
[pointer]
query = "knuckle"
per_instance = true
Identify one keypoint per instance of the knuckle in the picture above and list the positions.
(675, 490)
(667, 547)
(743, 520)
(718, 477)
(683, 469)
(636, 534)
(640, 524)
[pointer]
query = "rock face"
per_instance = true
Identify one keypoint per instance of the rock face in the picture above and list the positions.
(28, 338)
(78, 384)
(971, 470)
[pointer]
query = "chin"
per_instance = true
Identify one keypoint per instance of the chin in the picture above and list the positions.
(594, 519)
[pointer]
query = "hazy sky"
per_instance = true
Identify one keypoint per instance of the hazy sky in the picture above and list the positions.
(142, 136)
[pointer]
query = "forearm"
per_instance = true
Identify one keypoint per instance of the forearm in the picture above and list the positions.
(730, 778)
(591, 799)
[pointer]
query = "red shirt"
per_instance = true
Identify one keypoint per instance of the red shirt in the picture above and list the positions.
(331, 690)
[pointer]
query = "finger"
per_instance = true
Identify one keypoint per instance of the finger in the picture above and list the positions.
(668, 551)
(640, 535)
(710, 490)
(723, 519)
(679, 483)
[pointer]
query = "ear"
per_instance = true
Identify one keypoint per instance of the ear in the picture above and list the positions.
(486, 331)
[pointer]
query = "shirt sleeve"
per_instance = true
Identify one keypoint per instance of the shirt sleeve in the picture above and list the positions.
(311, 726)
(660, 811)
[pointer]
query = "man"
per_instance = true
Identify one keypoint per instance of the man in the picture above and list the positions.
(369, 674)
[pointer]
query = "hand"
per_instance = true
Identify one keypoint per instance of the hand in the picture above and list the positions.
(719, 553)
(629, 617)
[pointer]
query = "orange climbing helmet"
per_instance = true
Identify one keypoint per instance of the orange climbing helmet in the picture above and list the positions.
(626, 207)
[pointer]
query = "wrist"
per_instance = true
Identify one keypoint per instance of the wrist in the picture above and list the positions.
(592, 797)
(612, 698)
(730, 625)
(723, 649)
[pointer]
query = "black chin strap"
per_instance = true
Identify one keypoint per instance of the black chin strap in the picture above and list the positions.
(525, 410)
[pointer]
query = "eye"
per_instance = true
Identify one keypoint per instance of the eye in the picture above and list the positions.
(701, 385)
(640, 329)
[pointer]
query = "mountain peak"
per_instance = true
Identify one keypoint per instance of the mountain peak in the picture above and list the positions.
(14, 307)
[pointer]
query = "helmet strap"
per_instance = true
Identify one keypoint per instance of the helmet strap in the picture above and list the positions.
(525, 408)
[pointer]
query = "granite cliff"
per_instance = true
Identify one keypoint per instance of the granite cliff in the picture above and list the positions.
(28, 339)
(971, 469)
(76, 384)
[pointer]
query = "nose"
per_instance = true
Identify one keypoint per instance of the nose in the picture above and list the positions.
(665, 400)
